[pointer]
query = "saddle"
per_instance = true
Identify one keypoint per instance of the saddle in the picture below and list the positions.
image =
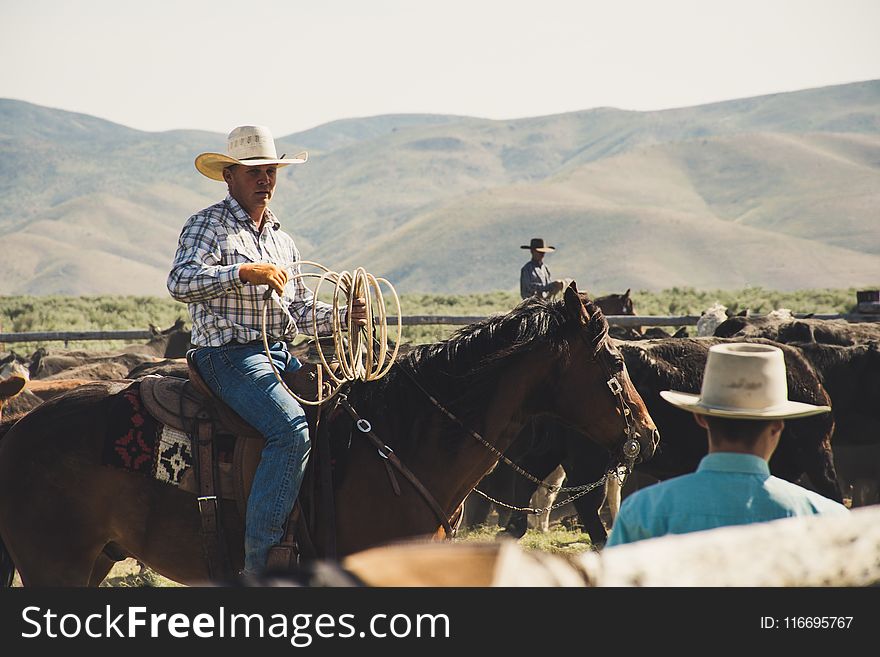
(192, 407)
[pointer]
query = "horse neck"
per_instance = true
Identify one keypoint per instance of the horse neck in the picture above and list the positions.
(517, 392)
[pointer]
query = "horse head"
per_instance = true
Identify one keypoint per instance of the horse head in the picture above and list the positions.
(593, 390)
(616, 304)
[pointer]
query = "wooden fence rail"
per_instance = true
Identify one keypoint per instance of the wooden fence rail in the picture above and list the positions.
(411, 320)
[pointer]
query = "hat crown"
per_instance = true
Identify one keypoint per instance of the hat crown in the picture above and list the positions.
(744, 377)
(251, 141)
(537, 243)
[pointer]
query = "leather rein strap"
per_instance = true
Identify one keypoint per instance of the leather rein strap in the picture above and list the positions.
(390, 457)
(213, 541)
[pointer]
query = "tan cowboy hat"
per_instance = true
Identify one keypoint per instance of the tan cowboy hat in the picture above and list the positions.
(537, 244)
(746, 382)
(250, 145)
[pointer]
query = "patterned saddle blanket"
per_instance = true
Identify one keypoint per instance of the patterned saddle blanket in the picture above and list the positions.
(152, 423)
(139, 442)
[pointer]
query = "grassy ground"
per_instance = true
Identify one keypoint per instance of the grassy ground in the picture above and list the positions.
(558, 540)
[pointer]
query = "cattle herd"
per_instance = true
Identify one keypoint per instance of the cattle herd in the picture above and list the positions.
(828, 361)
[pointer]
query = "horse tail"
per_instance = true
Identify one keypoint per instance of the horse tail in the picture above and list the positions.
(7, 568)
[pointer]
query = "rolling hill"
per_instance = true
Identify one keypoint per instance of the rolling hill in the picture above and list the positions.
(780, 191)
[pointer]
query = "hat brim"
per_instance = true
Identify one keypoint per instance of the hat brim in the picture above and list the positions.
(211, 165)
(543, 249)
(790, 409)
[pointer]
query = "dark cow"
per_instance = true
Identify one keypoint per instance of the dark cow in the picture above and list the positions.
(677, 364)
(168, 367)
(305, 351)
(825, 331)
(172, 342)
(851, 375)
(84, 364)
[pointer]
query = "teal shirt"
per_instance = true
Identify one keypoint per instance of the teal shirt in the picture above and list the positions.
(726, 489)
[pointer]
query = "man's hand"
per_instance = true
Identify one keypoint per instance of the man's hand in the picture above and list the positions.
(358, 311)
(264, 273)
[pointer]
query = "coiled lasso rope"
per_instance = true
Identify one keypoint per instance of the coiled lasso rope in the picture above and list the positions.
(359, 360)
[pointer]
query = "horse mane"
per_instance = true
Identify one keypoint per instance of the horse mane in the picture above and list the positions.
(456, 370)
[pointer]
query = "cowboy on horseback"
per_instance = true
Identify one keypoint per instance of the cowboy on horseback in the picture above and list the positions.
(229, 257)
(534, 277)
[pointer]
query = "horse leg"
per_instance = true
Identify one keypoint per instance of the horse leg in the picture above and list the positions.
(612, 496)
(584, 468)
(476, 510)
(540, 466)
(41, 568)
(544, 498)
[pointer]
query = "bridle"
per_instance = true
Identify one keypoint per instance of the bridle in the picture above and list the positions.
(631, 446)
(618, 467)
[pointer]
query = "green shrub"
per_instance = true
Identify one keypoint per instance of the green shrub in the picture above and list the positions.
(117, 313)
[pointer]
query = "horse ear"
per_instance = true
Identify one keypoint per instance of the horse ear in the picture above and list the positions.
(11, 386)
(574, 306)
(626, 294)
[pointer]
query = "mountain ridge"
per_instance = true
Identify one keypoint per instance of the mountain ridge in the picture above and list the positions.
(790, 182)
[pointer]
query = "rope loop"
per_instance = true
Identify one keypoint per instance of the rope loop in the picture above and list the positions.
(365, 356)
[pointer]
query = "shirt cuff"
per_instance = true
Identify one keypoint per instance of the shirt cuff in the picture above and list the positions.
(230, 278)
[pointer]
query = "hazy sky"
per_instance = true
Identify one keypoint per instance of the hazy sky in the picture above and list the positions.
(294, 64)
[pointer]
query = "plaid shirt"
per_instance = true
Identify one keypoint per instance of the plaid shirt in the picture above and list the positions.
(213, 245)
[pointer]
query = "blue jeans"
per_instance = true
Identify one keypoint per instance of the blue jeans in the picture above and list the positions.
(241, 376)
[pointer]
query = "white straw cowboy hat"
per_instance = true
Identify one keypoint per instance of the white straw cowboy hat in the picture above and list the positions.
(743, 381)
(537, 244)
(250, 145)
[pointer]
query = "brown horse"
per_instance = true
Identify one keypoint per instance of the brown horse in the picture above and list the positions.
(620, 304)
(60, 508)
(616, 304)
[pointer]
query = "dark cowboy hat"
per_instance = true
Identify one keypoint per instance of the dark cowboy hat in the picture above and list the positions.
(537, 244)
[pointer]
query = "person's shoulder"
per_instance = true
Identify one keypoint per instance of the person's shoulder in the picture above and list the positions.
(817, 501)
(211, 213)
(664, 490)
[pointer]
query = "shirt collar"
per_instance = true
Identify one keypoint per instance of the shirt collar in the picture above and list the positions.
(734, 462)
(239, 214)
